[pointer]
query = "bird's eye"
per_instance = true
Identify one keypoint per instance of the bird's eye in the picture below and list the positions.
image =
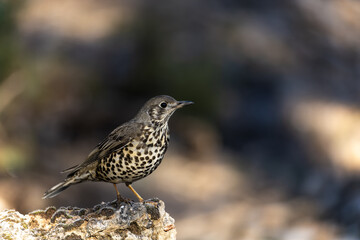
(163, 104)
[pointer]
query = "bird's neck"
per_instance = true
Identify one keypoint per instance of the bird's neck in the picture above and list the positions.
(159, 124)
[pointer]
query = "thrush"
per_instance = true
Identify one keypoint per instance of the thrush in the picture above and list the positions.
(130, 152)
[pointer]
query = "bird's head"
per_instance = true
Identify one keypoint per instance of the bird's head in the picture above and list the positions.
(160, 108)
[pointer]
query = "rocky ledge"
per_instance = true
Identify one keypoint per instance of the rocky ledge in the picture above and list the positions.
(144, 221)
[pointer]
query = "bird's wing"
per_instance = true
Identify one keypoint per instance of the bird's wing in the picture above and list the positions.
(116, 140)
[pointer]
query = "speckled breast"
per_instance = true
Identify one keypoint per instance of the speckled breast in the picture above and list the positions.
(137, 159)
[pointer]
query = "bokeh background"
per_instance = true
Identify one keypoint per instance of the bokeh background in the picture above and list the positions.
(270, 150)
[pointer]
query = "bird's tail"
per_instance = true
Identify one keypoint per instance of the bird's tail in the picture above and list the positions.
(55, 190)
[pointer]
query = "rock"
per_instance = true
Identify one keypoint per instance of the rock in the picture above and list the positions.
(104, 221)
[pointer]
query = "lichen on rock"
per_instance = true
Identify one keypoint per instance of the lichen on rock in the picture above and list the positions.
(128, 221)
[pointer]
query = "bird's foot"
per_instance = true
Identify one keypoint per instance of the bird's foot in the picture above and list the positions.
(117, 202)
(152, 201)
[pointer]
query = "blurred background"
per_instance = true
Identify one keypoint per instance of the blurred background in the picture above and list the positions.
(270, 150)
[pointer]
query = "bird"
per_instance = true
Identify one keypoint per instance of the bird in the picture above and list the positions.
(130, 152)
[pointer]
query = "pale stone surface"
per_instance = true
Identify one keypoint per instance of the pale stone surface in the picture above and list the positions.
(104, 221)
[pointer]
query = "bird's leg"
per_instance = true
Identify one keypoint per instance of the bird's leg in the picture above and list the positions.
(118, 196)
(136, 194)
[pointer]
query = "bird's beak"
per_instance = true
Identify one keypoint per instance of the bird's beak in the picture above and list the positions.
(180, 104)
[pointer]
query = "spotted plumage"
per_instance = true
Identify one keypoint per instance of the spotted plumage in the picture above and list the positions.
(131, 152)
